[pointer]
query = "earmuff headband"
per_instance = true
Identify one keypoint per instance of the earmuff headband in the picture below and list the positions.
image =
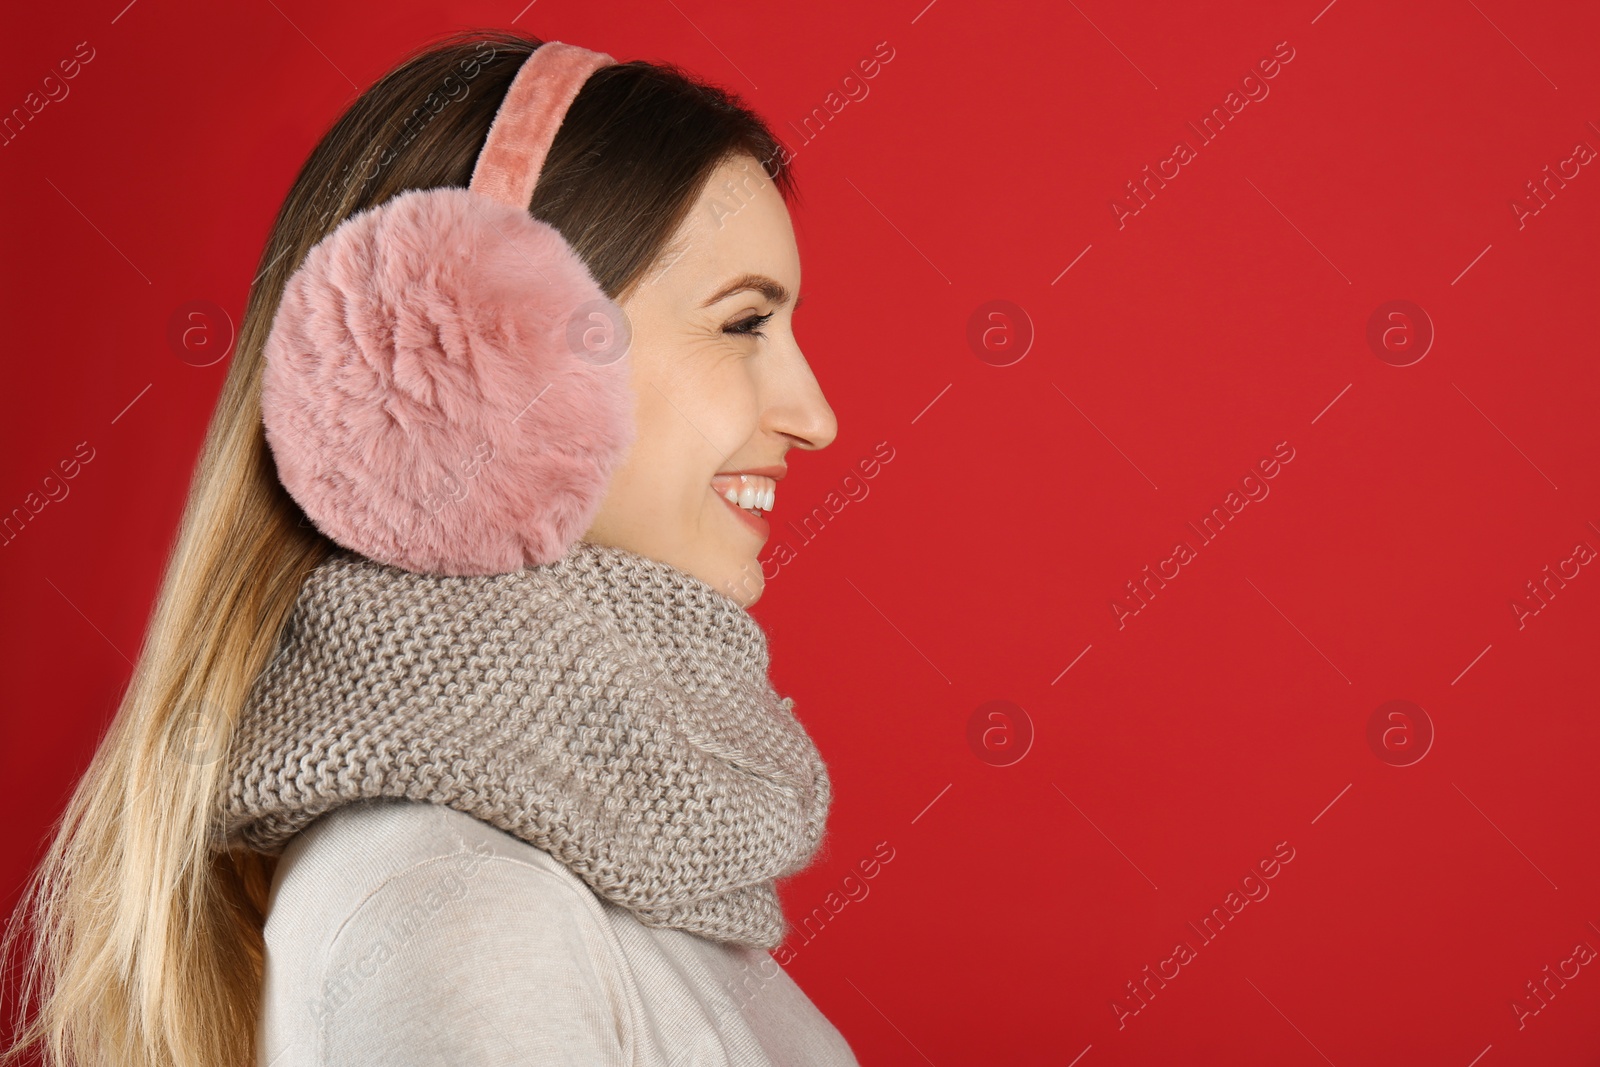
(525, 126)
(405, 377)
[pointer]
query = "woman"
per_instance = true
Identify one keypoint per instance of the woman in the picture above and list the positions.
(453, 783)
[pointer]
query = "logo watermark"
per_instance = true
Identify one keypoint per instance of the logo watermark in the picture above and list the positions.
(1000, 733)
(1000, 332)
(1400, 333)
(200, 333)
(1400, 733)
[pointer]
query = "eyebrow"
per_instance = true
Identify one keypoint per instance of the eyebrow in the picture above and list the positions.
(759, 283)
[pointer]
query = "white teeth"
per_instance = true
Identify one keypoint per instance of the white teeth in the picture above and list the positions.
(753, 493)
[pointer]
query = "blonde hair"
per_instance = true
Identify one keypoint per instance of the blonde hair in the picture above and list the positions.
(147, 947)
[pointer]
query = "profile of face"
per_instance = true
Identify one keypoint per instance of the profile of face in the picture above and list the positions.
(720, 387)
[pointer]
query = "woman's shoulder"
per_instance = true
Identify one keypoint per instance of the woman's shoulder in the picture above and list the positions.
(353, 849)
(395, 930)
(412, 935)
(376, 855)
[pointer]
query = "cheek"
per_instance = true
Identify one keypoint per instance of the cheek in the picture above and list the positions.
(723, 406)
(674, 455)
(711, 403)
(669, 454)
(697, 409)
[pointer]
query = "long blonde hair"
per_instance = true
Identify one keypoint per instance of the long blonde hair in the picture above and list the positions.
(147, 946)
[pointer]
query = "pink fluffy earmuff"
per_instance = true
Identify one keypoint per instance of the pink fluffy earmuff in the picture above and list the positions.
(445, 385)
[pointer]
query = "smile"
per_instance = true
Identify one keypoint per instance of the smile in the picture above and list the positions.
(752, 492)
(748, 498)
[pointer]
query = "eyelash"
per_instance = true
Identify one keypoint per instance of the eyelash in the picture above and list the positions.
(751, 327)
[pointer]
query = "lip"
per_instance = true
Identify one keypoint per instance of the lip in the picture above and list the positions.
(775, 472)
(755, 523)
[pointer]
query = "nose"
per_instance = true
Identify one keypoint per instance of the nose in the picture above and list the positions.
(798, 410)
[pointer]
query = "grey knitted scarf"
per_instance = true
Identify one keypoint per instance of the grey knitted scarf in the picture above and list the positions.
(607, 708)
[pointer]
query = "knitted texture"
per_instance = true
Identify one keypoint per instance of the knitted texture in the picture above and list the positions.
(605, 707)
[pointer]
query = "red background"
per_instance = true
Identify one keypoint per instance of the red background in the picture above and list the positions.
(1228, 315)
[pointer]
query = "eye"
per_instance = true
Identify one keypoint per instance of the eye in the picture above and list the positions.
(750, 327)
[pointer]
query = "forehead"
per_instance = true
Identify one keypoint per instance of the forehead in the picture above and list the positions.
(738, 224)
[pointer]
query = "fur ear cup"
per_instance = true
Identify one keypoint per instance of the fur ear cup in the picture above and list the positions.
(446, 386)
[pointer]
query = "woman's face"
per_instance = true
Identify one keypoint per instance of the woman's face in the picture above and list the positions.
(720, 387)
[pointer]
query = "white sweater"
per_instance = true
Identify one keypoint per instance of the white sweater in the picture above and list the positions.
(406, 934)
